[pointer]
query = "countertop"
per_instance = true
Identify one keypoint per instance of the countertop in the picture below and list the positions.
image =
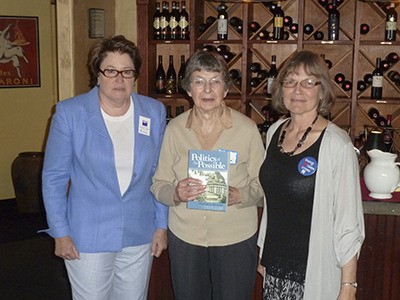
(381, 208)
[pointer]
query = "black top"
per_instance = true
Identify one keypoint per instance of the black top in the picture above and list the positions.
(288, 183)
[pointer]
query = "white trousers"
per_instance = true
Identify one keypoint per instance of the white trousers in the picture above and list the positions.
(111, 275)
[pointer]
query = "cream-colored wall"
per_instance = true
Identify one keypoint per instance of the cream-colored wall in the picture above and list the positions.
(25, 112)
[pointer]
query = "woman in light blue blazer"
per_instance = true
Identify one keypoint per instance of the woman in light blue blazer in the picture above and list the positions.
(100, 157)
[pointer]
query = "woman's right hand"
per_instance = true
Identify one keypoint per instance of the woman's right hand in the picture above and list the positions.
(65, 248)
(260, 269)
(188, 189)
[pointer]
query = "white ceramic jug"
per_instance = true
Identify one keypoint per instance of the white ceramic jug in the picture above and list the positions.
(382, 174)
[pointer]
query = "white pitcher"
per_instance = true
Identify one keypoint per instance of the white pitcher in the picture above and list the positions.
(382, 174)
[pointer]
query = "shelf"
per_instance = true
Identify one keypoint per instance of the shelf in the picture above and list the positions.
(354, 54)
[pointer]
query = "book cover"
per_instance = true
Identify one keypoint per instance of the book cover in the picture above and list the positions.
(211, 167)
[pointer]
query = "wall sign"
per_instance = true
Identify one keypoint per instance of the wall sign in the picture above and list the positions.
(96, 23)
(19, 52)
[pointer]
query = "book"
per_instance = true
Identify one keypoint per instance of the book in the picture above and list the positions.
(211, 167)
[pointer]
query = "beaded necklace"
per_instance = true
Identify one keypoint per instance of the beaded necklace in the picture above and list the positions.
(299, 143)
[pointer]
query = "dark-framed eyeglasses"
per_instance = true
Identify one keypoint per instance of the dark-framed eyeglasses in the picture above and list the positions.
(306, 83)
(112, 73)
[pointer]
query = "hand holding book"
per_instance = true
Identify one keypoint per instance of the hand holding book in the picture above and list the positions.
(188, 189)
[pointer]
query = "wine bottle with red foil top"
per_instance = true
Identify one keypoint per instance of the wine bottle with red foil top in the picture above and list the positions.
(222, 19)
(333, 22)
(377, 81)
(391, 23)
(364, 28)
(156, 22)
(278, 21)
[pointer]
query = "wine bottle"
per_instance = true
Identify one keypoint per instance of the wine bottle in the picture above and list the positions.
(368, 78)
(237, 24)
(254, 26)
(254, 81)
(388, 134)
(361, 86)
(222, 31)
(323, 3)
(164, 22)
(278, 21)
(169, 116)
(170, 80)
(392, 58)
(255, 67)
(391, 23)
(221, 49)
(262, 74)
(210, 20)
(385, 65)
(287, 21)
(156, 22)
(264, 35)
(373, 113)
(381, 121)
(333, 22)
(364, 28)
(160, 76)
(339, 78)
(377, 81)
(319, 35)
(294, 28)
(347, 85)
(203, 27)
(234, 74)
(328, 62)
(184, 22)
(174, 21)
(308, 29)
(210, 48)
(181, 74)
(394, 76)
(272, 74)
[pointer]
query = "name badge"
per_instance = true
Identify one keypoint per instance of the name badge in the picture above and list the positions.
(144, 125)
(233, 156)
(307, 166)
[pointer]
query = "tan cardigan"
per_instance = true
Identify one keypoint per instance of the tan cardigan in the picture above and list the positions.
(210, 228)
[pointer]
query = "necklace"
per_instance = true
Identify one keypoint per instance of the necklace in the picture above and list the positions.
(299, 143)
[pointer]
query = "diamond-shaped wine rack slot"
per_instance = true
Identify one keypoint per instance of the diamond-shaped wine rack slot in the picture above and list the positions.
(210, 9)
(366, 65)
(317, 16)
(261, 14)
(372, 15)
(262, 53)
(340, 114)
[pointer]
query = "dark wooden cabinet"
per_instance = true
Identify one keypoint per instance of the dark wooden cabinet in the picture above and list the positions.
(378, 273)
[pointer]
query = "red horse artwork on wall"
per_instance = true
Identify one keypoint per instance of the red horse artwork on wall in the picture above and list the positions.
(19, 55)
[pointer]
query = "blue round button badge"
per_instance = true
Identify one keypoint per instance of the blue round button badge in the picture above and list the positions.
(307, 166)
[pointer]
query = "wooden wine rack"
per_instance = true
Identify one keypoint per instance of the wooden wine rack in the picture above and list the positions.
(353, 54)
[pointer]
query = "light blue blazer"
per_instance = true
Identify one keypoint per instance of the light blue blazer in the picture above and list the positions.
(80, 186)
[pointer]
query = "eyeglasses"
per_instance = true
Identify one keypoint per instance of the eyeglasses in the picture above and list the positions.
(112, 73)
(306, 83)
(215, 83)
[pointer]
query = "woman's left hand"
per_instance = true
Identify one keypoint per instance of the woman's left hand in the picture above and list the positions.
(234, 196)
(160, 242)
